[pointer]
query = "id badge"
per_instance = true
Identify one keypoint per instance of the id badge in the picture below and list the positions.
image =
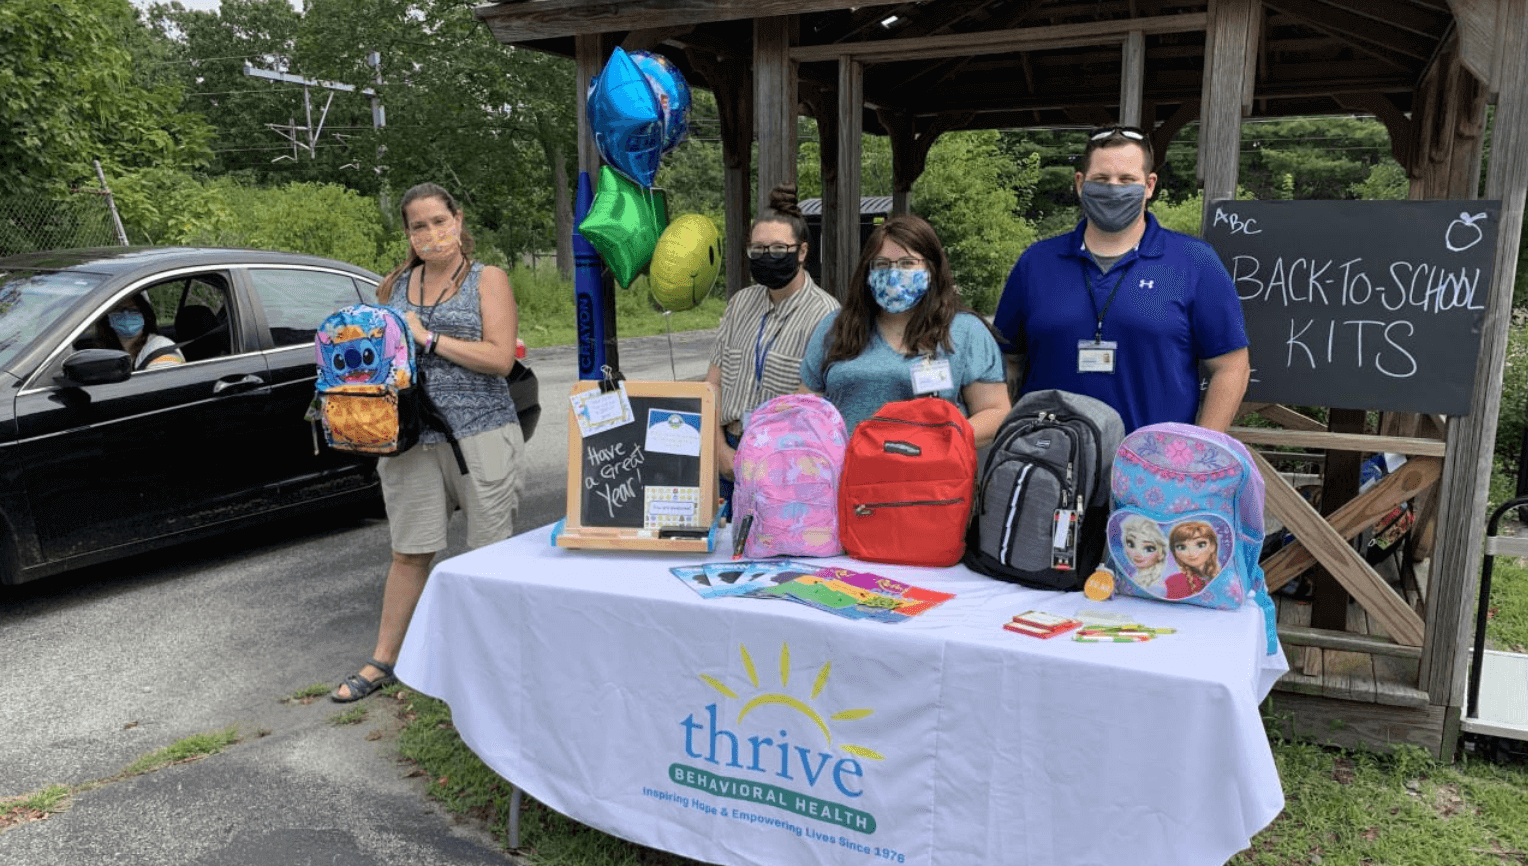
(1064, 539)
(1096, 356)
(931, 376)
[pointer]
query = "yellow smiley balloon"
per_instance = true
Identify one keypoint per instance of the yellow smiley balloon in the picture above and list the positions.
(685, 262)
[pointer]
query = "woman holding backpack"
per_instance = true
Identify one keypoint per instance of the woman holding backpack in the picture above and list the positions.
(903, 332)
(463, 320)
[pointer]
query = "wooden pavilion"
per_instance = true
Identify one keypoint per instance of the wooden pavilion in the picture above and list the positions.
(1389, 665)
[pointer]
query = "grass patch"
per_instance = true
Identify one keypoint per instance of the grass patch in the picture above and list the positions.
(307, 694)
(15, 811)
(1507, 622)
(353, 716)
(547, 316)
(1341, 807)
(192, 748)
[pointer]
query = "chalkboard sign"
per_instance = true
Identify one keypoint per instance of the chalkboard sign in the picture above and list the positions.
(646, 480)
(1361, 304)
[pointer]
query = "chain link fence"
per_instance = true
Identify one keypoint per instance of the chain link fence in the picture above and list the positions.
(83, 218)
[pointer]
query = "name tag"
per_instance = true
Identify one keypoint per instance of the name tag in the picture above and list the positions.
(1096, 356)
(930, 376)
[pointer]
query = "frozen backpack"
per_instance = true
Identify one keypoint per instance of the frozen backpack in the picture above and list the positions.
(1043, 499)
(1187, 523)
(787, 467)
(371, 397)
(909, 474)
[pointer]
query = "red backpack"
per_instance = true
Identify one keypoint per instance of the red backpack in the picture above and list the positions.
(906, 491)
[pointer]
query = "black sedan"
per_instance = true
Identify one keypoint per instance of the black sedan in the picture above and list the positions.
(153, 395)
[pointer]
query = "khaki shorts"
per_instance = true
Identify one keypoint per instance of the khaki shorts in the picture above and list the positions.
(423, 486)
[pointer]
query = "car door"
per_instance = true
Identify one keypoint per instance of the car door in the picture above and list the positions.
(163, 452)
(289, 302)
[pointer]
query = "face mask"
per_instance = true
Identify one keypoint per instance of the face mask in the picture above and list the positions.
(898, 291)
(127, 323)
(774, 270)
(1112, 207)
(438, 245)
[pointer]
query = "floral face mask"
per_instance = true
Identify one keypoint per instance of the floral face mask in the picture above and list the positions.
(437, 244)
(898, 291)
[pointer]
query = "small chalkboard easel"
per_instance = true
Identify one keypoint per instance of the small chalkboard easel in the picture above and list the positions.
(648, 483)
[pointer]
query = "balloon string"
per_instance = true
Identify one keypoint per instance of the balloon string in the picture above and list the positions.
(668, 325)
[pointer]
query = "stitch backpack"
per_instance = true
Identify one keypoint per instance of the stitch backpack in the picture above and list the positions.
(1187, 524)
(1049, 462)
(787, 467)
(908, 478)
(371, 397)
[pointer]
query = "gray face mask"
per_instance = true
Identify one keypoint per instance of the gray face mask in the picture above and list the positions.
(1112, 207)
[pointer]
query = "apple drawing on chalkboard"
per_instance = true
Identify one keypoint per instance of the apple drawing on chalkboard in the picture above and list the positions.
(1463, 233)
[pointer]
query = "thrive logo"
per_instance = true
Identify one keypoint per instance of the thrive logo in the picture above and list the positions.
(750, 765)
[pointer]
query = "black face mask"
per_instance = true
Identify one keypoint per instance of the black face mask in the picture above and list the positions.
(774, 270)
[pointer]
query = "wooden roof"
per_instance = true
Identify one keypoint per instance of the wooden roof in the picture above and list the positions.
(1022, 63)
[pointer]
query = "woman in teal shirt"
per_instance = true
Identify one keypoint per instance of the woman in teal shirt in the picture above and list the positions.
(903, 332)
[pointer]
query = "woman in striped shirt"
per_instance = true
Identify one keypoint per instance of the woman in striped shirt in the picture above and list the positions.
(764, 331)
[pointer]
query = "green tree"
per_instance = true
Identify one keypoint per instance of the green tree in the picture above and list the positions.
(972, 194)
(68, 94)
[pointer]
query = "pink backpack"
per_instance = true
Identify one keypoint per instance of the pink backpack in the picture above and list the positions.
(787, 468)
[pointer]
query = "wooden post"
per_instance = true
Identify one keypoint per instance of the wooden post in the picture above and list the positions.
(1343, 470)
(774, 97)
(823, 104)
(851, 124)
(1132, 78)
(1228, 64)
(589, 57)
(1453, 584)
(732, 83)
(906, 156)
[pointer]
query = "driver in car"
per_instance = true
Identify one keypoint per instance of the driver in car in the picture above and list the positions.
(131, 326)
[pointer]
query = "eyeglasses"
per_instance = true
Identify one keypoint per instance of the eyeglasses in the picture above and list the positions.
(907, 263)
(1134, 133)
(758, 250)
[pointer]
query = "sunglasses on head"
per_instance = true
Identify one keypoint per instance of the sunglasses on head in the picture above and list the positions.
(1134, 133)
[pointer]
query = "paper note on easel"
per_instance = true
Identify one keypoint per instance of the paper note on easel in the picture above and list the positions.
(598, 411)
(673, 432)
(670, 506)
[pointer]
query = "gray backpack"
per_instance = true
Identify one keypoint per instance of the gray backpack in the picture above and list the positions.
(1042, 499)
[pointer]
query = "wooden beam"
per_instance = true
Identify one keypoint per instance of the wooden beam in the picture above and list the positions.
(1132, 79)
(1232, 36)
(1475, 21)
(1452, 588)
(1001, 41)
(945, 15)
(1298, 635)
(774, 99)
(1396, 123)
(1369, 35)
(651, 37)
(1406, 16)
(1289, 418)
(1339, 441)
(1332, 551)
(590, 58)
(545, 19)
(732, 83)
(851, 116)
(1405, 483)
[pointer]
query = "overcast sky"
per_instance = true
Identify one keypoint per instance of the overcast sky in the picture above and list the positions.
(210, 5)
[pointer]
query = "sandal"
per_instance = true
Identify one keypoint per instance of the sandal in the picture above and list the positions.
(360, 686)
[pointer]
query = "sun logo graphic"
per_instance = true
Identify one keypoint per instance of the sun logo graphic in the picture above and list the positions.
(773, 768)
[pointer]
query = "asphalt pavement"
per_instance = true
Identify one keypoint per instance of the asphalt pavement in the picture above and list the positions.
(103, 665)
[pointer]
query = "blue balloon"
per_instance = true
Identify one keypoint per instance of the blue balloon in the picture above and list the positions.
(673, 94)
(627, 120)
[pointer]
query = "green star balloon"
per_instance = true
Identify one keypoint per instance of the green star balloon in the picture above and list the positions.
(624, 223)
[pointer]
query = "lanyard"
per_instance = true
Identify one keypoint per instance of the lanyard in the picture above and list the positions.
(1098, 332)
(761, 349)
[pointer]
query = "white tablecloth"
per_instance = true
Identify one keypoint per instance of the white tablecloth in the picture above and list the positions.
(746, 731)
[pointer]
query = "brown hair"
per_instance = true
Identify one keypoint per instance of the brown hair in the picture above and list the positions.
(415, 193)
(929, 327)
(782, 208)
(1118, 139)
(1188, 531)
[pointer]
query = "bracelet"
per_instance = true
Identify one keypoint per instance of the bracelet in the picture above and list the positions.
(429, 343)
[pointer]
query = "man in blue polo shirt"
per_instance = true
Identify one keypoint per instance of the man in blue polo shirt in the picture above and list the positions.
(1124, 310)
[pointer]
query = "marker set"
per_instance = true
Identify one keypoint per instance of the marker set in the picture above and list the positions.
(1043, 625)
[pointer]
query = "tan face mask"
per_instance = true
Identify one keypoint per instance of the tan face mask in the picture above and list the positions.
(438, 244)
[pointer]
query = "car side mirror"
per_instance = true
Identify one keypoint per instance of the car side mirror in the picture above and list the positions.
(96, 367)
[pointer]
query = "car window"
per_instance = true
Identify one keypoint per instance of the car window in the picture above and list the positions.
(31, 301)
(296, 301)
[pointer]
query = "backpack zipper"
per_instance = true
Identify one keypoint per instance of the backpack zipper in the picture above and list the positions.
(865, 509)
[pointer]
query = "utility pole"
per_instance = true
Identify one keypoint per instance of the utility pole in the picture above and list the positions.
(290, 132)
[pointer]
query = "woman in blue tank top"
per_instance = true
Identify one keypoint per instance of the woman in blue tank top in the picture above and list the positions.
(463, 320)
